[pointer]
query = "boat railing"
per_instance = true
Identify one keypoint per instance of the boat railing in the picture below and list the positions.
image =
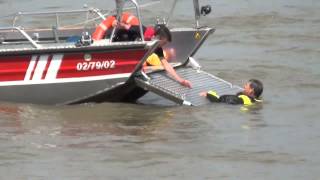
(58, 14)
(119, 9)
(21, 31)
(101, 14)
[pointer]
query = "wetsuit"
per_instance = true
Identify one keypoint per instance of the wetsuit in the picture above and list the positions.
(239, 98)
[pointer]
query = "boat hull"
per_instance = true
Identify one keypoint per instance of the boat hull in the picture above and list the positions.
(66, 74)
(62, 78)
(56, 93)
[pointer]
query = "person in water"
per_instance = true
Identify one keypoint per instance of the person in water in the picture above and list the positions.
(162, 33)
(251, 93)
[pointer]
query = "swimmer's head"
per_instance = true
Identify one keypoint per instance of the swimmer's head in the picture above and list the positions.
(253, 88)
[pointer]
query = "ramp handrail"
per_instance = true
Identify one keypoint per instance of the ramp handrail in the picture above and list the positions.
(24, 34)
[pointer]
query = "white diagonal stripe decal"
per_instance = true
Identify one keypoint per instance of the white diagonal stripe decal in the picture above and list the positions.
(40, 67)
(30, 67)
(54, 67)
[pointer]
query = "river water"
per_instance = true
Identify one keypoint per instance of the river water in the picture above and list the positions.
(276, 41)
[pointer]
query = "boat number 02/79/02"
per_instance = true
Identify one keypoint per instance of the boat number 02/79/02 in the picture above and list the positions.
(99, 65)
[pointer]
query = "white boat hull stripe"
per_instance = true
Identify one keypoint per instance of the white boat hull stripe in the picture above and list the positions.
(66, 80)
(54, 67)
(30, 68)
(40, 67)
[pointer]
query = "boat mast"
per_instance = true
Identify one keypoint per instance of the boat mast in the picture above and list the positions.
(196, 12)
(171, 12)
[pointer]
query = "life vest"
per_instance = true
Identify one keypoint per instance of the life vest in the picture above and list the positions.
(101, 30)
(247, 100)
(153, 60)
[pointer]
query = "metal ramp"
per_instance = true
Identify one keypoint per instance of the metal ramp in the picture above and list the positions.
(160, 83)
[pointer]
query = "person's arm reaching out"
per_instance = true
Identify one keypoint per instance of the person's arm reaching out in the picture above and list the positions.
(173, 73)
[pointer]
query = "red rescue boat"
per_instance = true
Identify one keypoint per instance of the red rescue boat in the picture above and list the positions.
(67, 66)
